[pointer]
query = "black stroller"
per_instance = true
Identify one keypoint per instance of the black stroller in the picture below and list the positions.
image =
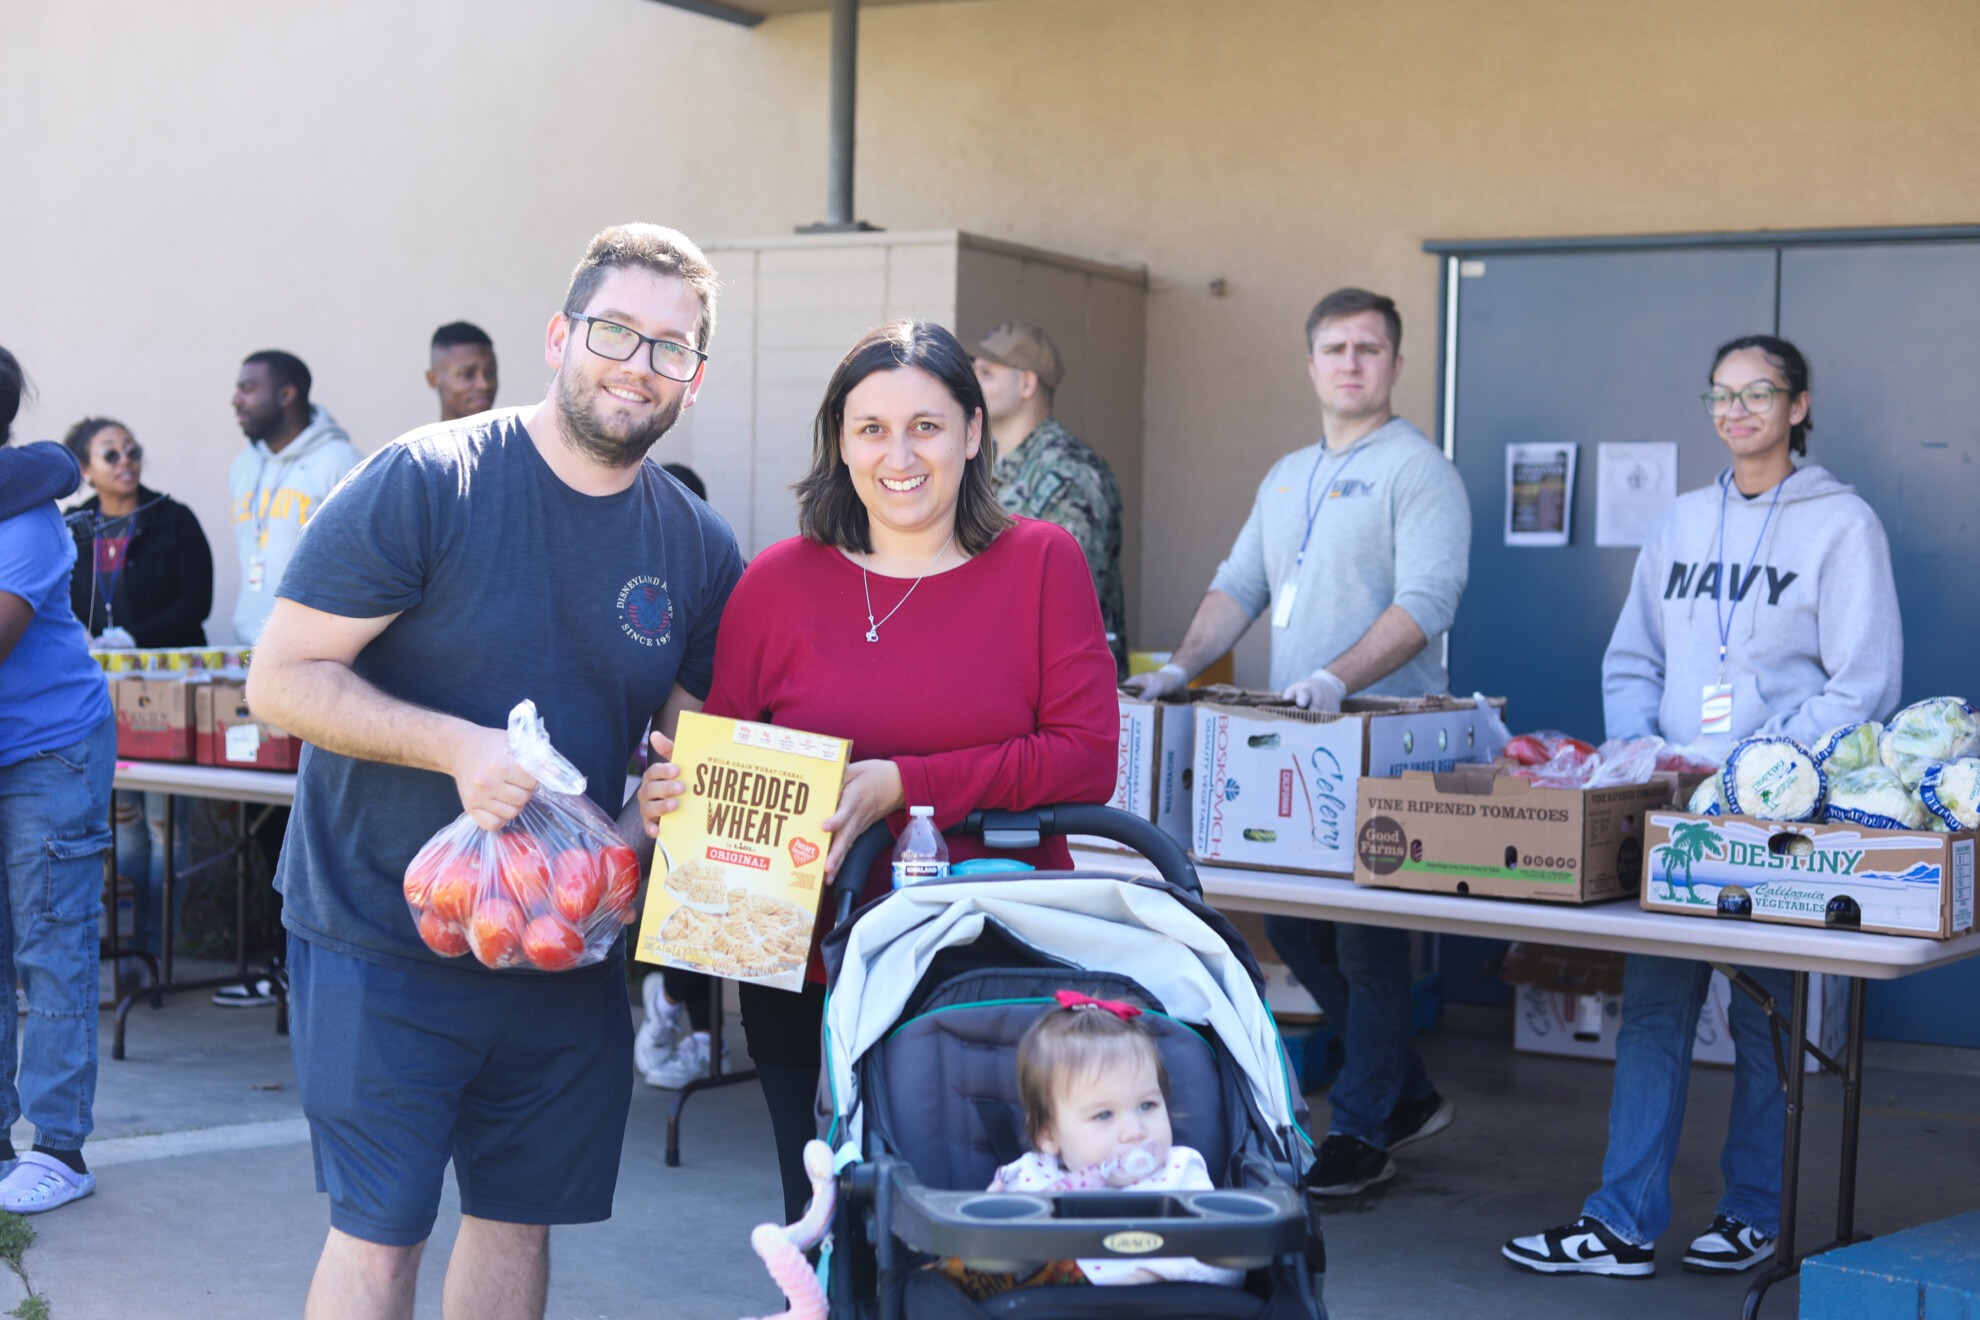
(930, 990)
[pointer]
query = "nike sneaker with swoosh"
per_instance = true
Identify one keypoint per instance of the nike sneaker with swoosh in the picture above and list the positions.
(1587, 1246)
(1728, 1247)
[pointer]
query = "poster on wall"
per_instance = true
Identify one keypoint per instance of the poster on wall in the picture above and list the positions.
(1635, 481)
(1539, 493)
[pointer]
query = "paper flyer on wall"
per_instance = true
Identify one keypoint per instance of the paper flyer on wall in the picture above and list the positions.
(1635, 481)
(737, 874)
(1539, 493)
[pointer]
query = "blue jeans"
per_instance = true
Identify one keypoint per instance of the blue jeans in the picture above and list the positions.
(1662, 998)
(54, 830)
(140, 829)
(1360, 976)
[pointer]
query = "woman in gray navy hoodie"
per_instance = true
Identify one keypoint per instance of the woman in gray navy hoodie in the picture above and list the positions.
(1771, 588)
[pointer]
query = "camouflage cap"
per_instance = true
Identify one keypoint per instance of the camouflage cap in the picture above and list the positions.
(1026, 347)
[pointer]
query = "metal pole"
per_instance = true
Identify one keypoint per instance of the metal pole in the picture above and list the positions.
(845, 85)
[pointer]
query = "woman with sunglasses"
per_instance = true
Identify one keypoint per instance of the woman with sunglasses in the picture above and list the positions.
(144, 573)
(1803, 636)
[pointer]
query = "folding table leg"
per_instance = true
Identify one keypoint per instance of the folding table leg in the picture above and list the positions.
(716, 1077)
(1785, 1264)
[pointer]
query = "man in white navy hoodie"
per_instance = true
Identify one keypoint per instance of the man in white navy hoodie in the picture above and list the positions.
(1360, 544)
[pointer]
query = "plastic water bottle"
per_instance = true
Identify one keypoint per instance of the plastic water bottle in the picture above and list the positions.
(922, 853)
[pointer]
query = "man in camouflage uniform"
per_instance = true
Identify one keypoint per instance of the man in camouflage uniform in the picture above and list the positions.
(1045, 471)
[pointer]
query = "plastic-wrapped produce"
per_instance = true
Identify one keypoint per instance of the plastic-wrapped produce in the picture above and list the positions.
(1848, 747)
(1773, 779)
(1709, 798)
(1950, 790)
(1937, 729)
(1875, 797)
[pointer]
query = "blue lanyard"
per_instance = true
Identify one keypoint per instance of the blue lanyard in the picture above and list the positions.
(1724, 617)
(1312, 505)
(107, 578)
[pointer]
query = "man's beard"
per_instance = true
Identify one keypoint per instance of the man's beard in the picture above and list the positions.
(592, 437)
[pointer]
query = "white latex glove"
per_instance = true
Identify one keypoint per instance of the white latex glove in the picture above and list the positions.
(1158, 683)
(115, 639)
(1319, 690)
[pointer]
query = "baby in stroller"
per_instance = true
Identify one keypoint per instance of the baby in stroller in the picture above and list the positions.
(1096, 1114)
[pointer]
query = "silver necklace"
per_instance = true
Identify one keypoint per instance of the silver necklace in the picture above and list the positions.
(872, 628)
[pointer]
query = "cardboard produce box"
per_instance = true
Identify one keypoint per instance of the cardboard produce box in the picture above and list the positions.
(1276, 786)
(1896, 882)
(1152, 772)
(739, 867)
(227, 734)
(154, 716)
(1471, 831)
(1544, 1022)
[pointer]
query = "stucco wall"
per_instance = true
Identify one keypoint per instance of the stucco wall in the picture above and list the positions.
(187, 183)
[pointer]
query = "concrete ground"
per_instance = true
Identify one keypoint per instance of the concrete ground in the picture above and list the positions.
(205, 1205)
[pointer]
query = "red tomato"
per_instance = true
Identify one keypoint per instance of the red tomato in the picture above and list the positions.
(575, 885)
(456, 886)
(620, 867)
(444, 937)
(552, 943)
(525, 870)
(1527, 750)
(420, 875)
(495, 931)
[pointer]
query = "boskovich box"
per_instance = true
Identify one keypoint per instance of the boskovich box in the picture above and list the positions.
(154, 716)
(739, 866)
(227, 734)
(1897, 882)
(1471, 831)
(1275, 785)
(1152, 769)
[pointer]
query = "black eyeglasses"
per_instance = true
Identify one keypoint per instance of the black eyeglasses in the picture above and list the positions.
(609, 339)
(1758, 399)
(115, 456)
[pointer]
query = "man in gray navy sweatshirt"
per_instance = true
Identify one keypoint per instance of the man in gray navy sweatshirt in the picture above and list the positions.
(1359, 544)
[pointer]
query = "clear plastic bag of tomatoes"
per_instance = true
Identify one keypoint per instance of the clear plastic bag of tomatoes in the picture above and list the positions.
(551, 890)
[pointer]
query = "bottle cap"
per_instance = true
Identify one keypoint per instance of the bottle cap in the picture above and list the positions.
(921, 811)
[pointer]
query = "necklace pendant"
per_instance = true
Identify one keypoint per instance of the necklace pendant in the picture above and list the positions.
(872, 634)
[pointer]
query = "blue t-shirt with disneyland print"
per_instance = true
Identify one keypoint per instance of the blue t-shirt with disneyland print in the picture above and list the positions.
(507, 584)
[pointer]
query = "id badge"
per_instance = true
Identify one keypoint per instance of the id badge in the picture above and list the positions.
(1716, 714)
(255, 567)
(1282, 611)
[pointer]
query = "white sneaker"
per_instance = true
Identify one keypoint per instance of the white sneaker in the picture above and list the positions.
(41, 1182)
(690, 1061)
(662, 1030)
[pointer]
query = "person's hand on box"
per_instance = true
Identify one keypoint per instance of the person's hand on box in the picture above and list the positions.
(492, 783)
(872, 791)
(1319, 691)
(1158, 683)
(115, 639)
(660, 788)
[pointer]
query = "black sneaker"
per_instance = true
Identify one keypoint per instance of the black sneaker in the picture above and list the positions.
(255, 994)
(1419, 1121)
(1586, 1246)
(1347, 1165)
(1728, 1247)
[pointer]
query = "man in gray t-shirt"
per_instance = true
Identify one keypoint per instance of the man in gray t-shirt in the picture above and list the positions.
(1358, 545)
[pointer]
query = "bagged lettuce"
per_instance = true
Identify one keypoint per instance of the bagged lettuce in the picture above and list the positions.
(1936, 729)
(1848, 747)
(1873, 796)
(1709, 798)
(1773, 779)
(1950, 790)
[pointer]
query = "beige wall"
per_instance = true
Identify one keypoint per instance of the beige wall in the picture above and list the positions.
(188, 182)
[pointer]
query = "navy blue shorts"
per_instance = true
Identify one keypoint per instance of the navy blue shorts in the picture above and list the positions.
(524, 1082)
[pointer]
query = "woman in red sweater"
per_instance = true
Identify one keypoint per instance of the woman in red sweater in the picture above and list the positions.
(960, 649)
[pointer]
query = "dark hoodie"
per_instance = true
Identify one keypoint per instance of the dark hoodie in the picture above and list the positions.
(164, 591)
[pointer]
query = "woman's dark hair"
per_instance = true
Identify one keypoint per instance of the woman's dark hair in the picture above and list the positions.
(83, 432)
(829, 509)
(1793, 367)
(13, 388)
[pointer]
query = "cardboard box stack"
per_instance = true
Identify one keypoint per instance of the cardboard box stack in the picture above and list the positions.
(1153, 768)
(1896, 882)
(227, 734)
(1470, 831)
(154, 716)
(1276, 786)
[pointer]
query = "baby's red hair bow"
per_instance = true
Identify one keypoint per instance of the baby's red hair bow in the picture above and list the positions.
(1074, 999)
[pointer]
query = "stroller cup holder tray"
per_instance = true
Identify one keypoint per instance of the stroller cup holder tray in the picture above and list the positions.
(1242, 1228)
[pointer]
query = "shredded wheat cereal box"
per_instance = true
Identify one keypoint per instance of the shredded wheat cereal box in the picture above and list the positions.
(739, 867)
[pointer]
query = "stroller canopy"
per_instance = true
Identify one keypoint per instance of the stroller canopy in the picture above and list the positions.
(1133, 928)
